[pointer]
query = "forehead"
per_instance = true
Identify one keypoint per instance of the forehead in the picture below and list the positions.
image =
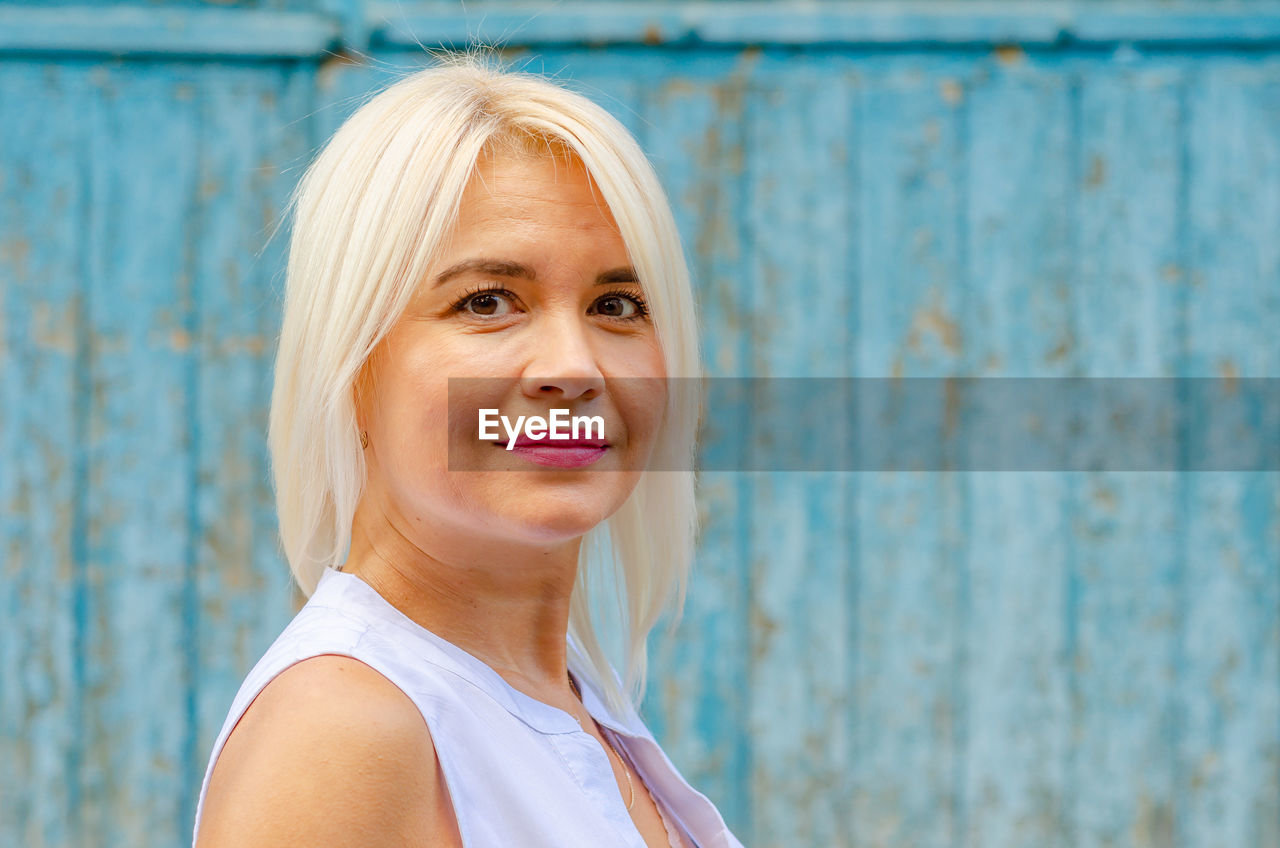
(517, 188)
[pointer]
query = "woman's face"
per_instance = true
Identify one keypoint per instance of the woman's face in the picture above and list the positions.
(531, 306)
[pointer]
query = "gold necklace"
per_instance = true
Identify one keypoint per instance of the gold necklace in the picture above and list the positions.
(631, 789)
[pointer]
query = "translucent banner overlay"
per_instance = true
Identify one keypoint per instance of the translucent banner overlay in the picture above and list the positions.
(913, 424)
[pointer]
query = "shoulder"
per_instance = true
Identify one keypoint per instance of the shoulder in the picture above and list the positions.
(330, 752)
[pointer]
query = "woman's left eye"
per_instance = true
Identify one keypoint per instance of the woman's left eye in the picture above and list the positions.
(623, 306)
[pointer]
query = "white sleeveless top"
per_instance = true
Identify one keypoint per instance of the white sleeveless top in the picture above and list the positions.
(520, 772)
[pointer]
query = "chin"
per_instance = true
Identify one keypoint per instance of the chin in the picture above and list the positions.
(554, 511)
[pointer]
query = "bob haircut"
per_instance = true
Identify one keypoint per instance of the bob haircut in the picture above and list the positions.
(369, 216)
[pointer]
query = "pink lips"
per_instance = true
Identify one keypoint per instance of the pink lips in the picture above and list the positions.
(559, 453)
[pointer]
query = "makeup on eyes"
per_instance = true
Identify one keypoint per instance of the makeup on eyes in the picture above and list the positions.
(472, 293)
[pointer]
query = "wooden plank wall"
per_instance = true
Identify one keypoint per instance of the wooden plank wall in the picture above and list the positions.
(866, 659)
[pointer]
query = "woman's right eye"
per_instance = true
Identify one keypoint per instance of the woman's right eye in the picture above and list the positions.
(486, 302)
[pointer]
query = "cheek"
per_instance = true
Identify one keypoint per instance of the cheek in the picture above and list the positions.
(415, 456)
(642, 402)
(641, 394)
(413, 408)
(651, 363)
(467, 397)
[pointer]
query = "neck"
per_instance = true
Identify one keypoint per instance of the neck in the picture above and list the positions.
(506, 603)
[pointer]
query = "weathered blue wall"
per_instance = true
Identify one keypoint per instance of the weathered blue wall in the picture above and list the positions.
(869, 659)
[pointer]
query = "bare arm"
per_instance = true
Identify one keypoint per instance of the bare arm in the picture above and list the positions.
(330, 753)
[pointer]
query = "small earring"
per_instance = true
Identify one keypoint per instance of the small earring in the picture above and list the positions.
(364, 439)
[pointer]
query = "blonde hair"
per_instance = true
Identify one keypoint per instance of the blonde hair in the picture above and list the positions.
(369, 215)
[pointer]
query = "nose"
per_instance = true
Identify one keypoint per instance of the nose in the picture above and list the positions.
(563, 365)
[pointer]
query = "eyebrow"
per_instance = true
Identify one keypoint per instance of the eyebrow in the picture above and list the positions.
(617, 275)
(506, 268)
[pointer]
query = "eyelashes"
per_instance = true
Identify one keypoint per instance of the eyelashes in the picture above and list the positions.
(490, 294)
(479, 293)
(636, 300)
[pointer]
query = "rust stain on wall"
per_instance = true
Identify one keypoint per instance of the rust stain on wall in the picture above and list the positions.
(1230, 375)
(1097, 174)
(333, 65)
(1059, 352)
(54, 328)
(1009, 54)
(951, 90)
(932, 320)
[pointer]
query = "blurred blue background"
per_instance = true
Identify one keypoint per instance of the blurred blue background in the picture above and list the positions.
(865, 189)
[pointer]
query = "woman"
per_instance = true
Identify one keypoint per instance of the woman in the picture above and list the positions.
(471, 240)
